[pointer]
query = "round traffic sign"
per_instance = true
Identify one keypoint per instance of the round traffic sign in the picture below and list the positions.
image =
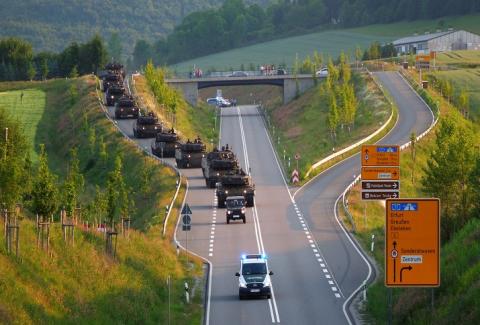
(297, 156)
(186, 219)
(394, 253)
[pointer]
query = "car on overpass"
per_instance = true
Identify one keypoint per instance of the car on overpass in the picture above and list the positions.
(238, 74)
(254, 276)
(322, 73)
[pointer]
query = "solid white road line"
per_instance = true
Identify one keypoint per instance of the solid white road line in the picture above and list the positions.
(257, 222)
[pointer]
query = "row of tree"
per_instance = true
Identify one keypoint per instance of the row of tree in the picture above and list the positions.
(18, 62)
(339, 92)
(38, 189)
(235, 24)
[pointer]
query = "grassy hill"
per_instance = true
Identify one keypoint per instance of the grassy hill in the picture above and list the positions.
(80, 284)
(51, 25)
(330, 43)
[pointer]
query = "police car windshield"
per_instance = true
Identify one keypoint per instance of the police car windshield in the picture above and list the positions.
(254, 268)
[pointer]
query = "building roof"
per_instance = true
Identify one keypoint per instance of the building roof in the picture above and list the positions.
(421, 38)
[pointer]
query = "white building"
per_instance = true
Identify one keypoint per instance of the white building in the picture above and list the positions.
(438, 42)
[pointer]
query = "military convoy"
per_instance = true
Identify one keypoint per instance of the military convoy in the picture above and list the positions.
(147, 126)
(126, 107)
(190, 154)
(235, 183)
(216, 163)
(113, 94)
(165, 144)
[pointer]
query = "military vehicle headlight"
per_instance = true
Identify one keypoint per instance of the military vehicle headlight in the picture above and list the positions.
(243, 210)
(245, 191)
(218, 174)
(229, 212)
(111, 96)
(155, 127)
(189, 156)
(121, 109)
(226, 192)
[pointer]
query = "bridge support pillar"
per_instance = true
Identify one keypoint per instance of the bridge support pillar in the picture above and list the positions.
(189, 90)
(293, 87)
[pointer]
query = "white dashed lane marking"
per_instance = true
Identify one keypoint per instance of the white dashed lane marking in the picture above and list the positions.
(313, 245)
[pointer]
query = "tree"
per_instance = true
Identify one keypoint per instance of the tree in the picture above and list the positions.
(44, 193)
(358, 55)
(464, 103)
(74, 183)
(332, 118)
(31, 72)
(115, 47)
(16, 55)
(44, 68)
(116, 190)
(448, 170)
(74, 72)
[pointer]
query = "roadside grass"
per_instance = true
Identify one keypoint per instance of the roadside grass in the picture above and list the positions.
(330, 43)
(463, 58)
(27, 110)
(80, 284)
(458, 265)
(301, 126)
(190, 121)
(468, 80)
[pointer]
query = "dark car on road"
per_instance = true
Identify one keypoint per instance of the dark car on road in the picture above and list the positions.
(235, 208)
(147, 126)
(126, 107)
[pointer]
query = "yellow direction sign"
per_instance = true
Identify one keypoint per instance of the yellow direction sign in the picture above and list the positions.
(380, 155)
(380, 173)
(412, 243)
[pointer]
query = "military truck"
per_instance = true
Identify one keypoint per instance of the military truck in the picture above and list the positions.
(113, 94)
(165, 144)
(110, 80)
(190, 154)
(217, 163)
(126, 107)
(147, 126)
(235, 183)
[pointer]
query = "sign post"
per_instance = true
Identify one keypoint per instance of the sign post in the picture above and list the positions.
(412, 243)
(186, 224)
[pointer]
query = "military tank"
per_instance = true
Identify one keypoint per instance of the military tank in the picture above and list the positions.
(126, 107)
(216, 163)
(110, 80)
(147, 126)
(113, 94)
(190, 154)
(116, 68)
(235, 183)
(165, 144)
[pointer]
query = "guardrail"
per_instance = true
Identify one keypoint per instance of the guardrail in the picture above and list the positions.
(402, 147)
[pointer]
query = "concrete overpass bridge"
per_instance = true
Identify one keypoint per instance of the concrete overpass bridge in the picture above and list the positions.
(190, 87)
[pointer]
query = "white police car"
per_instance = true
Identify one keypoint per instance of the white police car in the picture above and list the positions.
(254, 276)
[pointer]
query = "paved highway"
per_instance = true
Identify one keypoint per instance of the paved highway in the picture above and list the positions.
(315, 264)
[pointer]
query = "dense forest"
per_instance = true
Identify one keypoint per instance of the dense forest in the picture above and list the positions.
(50, 24)
(236, 23)
(19, 62)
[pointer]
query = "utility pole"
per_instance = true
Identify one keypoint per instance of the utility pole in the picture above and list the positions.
(6, 143)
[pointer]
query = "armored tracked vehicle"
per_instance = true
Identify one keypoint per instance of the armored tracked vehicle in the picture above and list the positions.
(216, 163)
(165, 144)
(113, 94)
(126, 107)
(116, 68)
(112, 79)
(235, 183)
(147, 126)
(190, 154)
